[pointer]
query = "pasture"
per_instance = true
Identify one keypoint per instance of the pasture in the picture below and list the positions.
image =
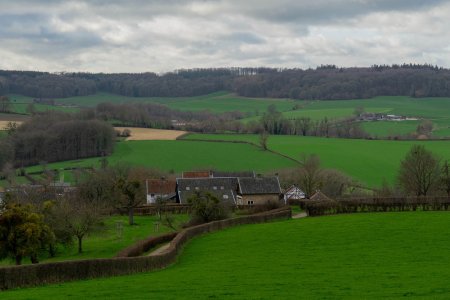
(108, 241)
(178, 156)
(358, 256)
(369, 161)
(216, 102)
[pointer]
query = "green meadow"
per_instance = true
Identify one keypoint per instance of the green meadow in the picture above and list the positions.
(215, 102)
(369, 161)
(108, 241)
(357, 256)
(178, 156)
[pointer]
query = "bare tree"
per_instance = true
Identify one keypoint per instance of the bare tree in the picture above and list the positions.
(310, 174)
(419, 171)
(445, 178)
(263, 137)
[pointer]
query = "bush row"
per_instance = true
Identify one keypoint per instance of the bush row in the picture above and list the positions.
(320, 207)
(32, 275)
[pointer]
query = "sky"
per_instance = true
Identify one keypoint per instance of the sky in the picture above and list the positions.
(115, 36)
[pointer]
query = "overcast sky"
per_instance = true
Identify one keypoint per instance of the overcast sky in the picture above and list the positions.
(163, 35)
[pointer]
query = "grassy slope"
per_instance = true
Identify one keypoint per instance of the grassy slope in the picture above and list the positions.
(435, 109)
(367, 161)
(360, 256)
(215, 102)
(107, 243)
(386, 128)
(187, 155)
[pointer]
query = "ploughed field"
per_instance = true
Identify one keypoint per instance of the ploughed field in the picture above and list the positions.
(360, 256)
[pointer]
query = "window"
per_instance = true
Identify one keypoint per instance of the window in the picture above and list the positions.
(152, 195)
(214, 187)
(250, 202)
(188, 188)
(221, 187)
(225, 196)
(196, 188)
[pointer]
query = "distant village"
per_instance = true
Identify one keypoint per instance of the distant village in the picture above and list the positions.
(383, 117)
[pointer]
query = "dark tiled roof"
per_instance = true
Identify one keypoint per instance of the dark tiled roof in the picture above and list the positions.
(319, 196)
(206, 184)
(157, 186)
(226, 196)
(259, 185)
(196, 174)
(233, 174)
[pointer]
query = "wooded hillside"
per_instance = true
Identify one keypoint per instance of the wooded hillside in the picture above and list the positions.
(325, 82)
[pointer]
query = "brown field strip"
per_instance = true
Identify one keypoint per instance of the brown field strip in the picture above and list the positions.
(142, 134)
(4, 124)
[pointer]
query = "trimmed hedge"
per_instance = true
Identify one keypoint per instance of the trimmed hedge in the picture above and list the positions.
(319, 207)
(32, 275)
(143, 246)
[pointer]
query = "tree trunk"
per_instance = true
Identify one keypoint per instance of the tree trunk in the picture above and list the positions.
(18, 259)
(80, 244)
(34, 259)
(52, 250)
(130, 216)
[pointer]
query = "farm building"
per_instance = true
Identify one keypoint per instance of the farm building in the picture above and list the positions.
(214, 174)
(236, 188)
(319, 196)
(160, 188)
(223, 188)
(293, 193)
(258, 190)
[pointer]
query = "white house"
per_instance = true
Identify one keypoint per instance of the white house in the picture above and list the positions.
(293, 193)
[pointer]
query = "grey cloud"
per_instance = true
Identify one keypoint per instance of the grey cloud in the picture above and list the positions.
(160, 35)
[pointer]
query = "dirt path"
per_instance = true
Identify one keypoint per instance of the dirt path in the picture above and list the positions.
(160, 250)
(299, 215)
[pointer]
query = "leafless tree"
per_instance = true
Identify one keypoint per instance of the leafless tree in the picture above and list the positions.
(419, 171)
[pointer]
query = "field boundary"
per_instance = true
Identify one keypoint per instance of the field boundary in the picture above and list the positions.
(58, 272)
(364, 205)
(182, 138)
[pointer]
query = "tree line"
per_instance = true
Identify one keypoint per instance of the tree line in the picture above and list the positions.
(325, 82)
(55, 136)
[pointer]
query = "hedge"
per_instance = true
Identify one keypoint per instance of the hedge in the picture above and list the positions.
(32, 275)
(319, 208)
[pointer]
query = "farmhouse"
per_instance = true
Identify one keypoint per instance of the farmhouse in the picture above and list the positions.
(223, 188)
(235, 188)
(293, 193)
(319, 196)
(160, 188)
(258, 190)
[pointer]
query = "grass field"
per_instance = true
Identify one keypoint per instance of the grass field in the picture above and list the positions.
(366, 160)
(107, 242)
(359, 256)
(434, 109)
(389, 128)
(180, 156)
(215, 102)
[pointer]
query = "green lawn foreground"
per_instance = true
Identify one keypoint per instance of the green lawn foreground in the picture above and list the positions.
(359, 256)
(108, 242)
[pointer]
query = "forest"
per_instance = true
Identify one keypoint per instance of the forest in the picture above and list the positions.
(327, 82)
(55, 136)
